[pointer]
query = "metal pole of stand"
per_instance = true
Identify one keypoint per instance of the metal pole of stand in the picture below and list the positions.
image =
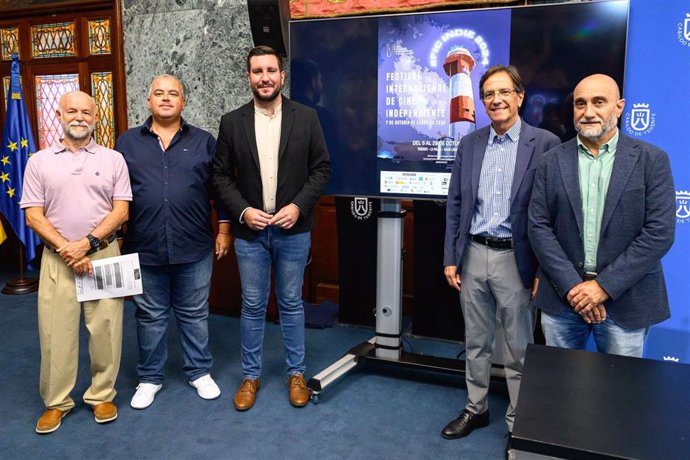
(389, 280)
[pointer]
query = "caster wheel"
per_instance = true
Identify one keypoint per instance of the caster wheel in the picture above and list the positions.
(315, 398)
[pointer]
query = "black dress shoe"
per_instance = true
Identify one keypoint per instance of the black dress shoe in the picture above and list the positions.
(464, 424)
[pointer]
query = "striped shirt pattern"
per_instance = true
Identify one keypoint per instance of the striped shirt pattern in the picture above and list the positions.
(492, 210)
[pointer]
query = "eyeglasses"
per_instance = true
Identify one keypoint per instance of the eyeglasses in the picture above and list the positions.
(501, 93)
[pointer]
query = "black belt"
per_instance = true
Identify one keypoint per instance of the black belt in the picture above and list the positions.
(104, 244)
(493, 243)
(589, 276)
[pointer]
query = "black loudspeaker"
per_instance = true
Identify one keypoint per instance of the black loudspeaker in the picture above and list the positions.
(436, 305)
(357, 230)
(269, 23)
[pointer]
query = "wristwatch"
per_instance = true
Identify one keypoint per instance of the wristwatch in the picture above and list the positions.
(93, 241)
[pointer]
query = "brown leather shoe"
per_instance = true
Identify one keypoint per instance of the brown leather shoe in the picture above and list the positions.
(50, 420)
(246, 395)
(299, 393)
(105, 412)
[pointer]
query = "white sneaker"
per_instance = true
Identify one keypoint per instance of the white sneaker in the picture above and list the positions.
(146, 392)
(206, 387)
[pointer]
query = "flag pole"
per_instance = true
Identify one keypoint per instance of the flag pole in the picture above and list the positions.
(16, 148)
(21, 285)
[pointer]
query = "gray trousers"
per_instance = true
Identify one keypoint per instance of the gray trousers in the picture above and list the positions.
(491, 289)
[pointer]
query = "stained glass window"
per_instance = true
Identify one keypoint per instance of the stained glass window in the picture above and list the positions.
(102, 91)
(9, 42)
(49, 88)
(53, 40)
(75, 49)
(99, 36)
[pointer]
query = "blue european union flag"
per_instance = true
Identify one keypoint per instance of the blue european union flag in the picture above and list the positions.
(17, 145)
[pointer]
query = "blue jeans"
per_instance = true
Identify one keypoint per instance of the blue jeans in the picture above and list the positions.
(182, 289)
(568, 330)
(288, 255)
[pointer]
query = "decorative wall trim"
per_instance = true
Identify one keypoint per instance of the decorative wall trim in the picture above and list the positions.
(303, 9)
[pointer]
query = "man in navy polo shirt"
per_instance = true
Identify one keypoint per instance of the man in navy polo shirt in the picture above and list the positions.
(170, 227)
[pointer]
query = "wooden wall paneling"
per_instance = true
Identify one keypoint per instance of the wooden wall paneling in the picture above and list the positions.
(119, 78)
(323, 270)
(225, 297)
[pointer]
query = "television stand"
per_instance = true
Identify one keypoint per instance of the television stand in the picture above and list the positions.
(386, 345)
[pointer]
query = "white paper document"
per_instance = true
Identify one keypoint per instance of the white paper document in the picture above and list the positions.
(112, 277)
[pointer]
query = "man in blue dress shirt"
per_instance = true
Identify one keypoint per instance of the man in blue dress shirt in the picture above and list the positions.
(170, 227)
(487, 256)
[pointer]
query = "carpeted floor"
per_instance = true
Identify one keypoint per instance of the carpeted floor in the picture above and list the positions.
(372, 412)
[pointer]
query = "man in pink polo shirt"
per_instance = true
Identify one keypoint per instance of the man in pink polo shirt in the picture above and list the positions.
(76, 195)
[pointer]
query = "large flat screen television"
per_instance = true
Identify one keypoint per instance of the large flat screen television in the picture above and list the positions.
(396, 93)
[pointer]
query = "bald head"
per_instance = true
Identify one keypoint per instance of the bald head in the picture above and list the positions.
(599, 83)
(77, 115)
(80, 98)
(597, 105)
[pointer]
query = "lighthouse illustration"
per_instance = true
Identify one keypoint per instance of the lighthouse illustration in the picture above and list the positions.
(458, 66)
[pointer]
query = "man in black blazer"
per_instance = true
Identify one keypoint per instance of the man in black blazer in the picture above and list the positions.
(270, 169)
(487, 256)
(602, 216)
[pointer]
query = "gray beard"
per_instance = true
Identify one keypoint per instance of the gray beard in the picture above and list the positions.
(69, 134)
(597, 134)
